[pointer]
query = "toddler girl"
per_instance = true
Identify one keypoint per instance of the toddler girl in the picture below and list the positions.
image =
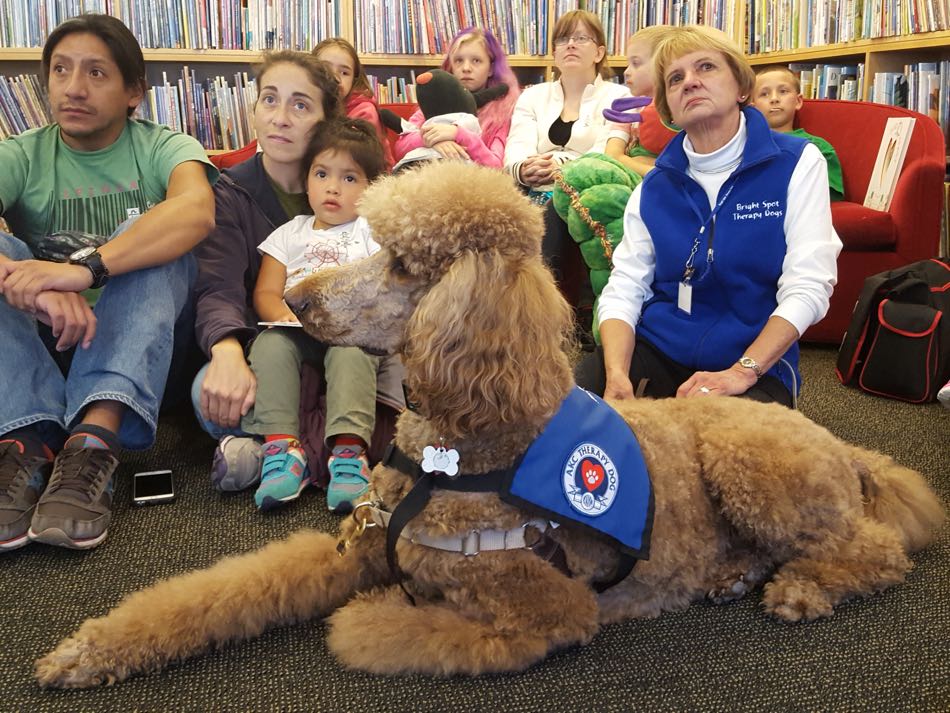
(343, 156)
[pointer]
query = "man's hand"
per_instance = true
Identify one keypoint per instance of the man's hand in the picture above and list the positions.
(437, 133)
(229, 386)
(451, 150)
(69, 316)
(23, 280)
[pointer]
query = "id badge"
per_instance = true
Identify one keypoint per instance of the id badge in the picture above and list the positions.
(684, 298)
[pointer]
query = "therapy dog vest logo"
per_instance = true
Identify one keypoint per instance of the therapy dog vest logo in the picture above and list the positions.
(590, 480)
(568, 476)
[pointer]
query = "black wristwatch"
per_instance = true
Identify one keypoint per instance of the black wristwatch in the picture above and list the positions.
(90, 258)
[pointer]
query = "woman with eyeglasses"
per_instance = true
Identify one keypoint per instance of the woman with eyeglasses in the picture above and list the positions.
(557, 121)
(728, 251)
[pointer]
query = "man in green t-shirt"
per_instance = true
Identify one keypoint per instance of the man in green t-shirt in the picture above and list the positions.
(96, 197)
(778, 95)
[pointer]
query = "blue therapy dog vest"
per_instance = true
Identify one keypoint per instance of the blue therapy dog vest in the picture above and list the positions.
(586, 469)
(734, 295)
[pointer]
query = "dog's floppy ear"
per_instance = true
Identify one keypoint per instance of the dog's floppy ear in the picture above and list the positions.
(485, 347)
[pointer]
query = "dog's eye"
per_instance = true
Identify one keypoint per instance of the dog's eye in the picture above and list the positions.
(397, 267)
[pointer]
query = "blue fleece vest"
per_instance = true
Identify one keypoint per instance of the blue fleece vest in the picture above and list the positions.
(734, 295)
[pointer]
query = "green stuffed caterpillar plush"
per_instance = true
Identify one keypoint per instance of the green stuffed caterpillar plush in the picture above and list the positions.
(590, 196)
(591, 192)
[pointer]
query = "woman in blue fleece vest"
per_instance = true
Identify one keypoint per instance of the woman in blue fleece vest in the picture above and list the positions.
(728, 252)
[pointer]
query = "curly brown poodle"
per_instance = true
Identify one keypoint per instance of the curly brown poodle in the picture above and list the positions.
(746, 494)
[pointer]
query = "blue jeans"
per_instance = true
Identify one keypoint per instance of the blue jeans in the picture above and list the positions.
(128, 360)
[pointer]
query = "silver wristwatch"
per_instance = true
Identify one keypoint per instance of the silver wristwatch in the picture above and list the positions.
(748, 362)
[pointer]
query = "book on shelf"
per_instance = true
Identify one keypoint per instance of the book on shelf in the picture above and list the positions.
(394, 90)
(23, 104)
(889, 161)
(427, 26)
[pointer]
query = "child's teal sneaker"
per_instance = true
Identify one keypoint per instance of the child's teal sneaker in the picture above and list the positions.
(349, 478)
(284, 473)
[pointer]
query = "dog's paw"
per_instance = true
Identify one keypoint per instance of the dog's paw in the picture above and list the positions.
(75, 663)
(796, 600)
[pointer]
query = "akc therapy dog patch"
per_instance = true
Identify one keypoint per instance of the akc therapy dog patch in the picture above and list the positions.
(586, 468)
(590, 480)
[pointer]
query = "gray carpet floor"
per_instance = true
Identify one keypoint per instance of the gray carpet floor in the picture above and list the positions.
(887, 653)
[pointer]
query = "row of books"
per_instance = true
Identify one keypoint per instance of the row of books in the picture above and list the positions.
(186, 24)
(214, 111)
(393, 90)
(828, 81)
(521, 26)
(23, 104)
(428, 26)
(923, 87)
(784, 25)
(621, 18)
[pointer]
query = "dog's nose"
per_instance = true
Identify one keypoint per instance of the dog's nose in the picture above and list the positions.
(297, 302)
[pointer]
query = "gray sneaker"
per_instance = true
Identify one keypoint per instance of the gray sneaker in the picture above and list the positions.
(237, 463)
(22, 479)
(76, 509)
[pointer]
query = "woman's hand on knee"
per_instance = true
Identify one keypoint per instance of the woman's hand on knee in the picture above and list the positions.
(228, 389)
(728, 382)
(619, 388)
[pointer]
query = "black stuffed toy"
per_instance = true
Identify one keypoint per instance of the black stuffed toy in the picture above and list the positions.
(442, 99)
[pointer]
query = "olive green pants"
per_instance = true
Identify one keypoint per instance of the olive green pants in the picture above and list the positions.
(276, 357)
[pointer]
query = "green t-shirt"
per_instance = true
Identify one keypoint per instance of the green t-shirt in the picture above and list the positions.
(835, 181)
(57, 199)
(294, 204)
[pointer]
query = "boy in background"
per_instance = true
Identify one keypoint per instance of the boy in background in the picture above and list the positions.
(778, 95)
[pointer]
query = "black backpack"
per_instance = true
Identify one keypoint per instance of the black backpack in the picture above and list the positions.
(898, 342)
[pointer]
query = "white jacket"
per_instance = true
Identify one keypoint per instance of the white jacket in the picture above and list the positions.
(538, 108)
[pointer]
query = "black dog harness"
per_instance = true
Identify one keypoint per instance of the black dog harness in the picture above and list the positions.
(492, 482)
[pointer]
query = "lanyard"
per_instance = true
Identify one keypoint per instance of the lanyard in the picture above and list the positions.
(688, 269)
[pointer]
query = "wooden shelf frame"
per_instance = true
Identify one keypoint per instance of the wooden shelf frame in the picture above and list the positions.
(925, 41)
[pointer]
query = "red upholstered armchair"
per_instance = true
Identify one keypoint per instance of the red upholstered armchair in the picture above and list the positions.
(402, 110)
(232, 158)
(876, 241)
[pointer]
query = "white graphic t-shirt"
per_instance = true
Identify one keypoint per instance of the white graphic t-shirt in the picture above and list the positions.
(304, 251)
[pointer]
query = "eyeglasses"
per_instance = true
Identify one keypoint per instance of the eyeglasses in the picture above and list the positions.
(573, 39)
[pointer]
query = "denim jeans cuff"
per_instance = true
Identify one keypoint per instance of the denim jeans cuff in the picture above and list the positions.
(30, 420)
(138, 428)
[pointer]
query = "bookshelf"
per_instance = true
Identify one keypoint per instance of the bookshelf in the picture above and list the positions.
(772, 23)
(883, 54)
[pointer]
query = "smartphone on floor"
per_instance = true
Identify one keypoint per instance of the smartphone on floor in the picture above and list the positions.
(153, 487)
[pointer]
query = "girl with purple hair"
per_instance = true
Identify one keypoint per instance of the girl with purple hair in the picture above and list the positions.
(478, 60)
